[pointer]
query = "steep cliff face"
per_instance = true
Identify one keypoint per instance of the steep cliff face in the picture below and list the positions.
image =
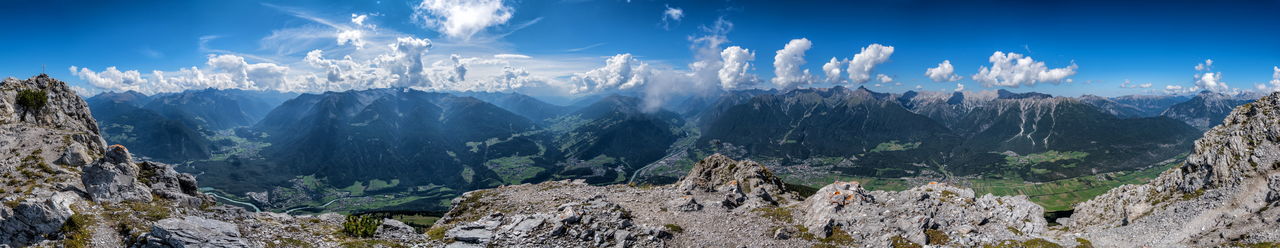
(1222, 194)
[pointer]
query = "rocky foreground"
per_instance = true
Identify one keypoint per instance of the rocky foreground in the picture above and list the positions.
(63, 187)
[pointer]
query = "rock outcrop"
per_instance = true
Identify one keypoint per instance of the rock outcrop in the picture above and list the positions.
(878, 217)
(1224, 193)
(32, 220)
(114, 178)
(743, 183)
(193, 231)
(596, 222)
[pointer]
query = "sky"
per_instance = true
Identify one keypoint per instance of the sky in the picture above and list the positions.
(657, 49)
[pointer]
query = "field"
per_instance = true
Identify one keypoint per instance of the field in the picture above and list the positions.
(1063, 194)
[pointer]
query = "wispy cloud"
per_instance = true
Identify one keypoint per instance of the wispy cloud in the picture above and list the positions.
(151, 53)
(579, 49)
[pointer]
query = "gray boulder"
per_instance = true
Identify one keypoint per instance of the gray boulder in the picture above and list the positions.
(193, 231)
(169, 184)
(114, 178)
(33, 220)
(396, 230)
(877, 217)
(75, 155)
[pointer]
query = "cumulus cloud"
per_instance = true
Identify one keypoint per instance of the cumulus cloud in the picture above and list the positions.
(1275, 81)
(959, 87)
(671, 15)
(787, 63)
(707, 52)
(884, 78)
(1014, 70)
(832, 70)
(1275, 78)
(111, 78)
(221, 72)
(620, 72)
(736, 72)
(249, 76)
(1205, 78)
(461, 19)
(943, 73)
(864, 62)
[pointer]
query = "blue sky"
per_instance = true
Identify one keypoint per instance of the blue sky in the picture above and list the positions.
(561, 47)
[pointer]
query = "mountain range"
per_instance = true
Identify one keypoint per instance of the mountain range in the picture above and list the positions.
(304, 150)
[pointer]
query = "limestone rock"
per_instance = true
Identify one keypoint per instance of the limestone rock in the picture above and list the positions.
(876, 217)
(75, 155)
(33, 220)
(743, 182)
(114, 178)
(396, 230)
(193, 231)
(167, 183)
(595, 222)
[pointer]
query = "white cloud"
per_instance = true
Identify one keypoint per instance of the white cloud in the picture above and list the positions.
(884, 78)
(1178, 89)
(111, 78)
(943, 73)
(787, 63)
(736, 72)
(919, 87)
(511, 56)
(249, 76)
(1014, 70)
(352, 36)
(864, 62)
(707, 52)
(832, 70)
(462, 19)
(405, 61)
(222, 72)
(1275, 78)
(1204, 66)
(620, 72)
(671, 15)
(358, 19)
(1129, 84)
(959, 87)
(1206, 79)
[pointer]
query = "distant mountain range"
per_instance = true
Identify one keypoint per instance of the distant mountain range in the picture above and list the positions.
(1031, 136)
(177, 127)
(300, 149)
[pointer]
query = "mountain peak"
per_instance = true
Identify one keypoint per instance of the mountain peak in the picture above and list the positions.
(1005, 94)
(51, 103)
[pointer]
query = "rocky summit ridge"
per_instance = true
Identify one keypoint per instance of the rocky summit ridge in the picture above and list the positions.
(723, 202)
